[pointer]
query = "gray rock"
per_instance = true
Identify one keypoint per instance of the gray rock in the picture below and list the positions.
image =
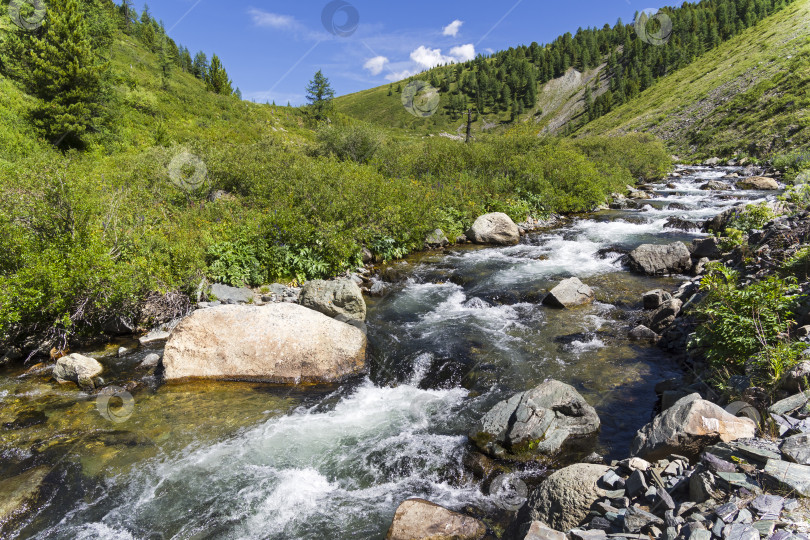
(739, 531)
(719, 222)
(150, 361)
(768, 507)
(536, 423)
(636, 484)
(642, 333)
(791, 476)
(124, 351)
(655, 299)
(20, 494)
(791, 404)
(715, 185)
(77, 368)
(687, 428)
(664, 316)
(653, 260)
(496, 228)
(581, 534)
(636, 520)
(727, 512)
(797, 378)
(437, 239)
(563, 500)
(744, 516)
(231, 295)
(796, 449)
(569, 293)
(700, 534)
(665, 499)
(764, 527)
(712, 162)
(612, 480)
(707, 247)
(341, 297)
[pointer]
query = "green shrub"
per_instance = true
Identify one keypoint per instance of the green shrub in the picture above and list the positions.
(739, 322)
(355, 142)
(236, 263)
(753, 216)
(792, 163)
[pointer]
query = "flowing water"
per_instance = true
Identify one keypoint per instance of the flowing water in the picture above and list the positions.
(461, 331)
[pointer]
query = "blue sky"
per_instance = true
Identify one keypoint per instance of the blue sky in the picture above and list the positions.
(271, 48)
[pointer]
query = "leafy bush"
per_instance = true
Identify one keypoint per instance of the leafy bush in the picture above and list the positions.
(753, 216)
(792, 163)
(236, 263)
(355, 142)
(798, 266)
(739, 322)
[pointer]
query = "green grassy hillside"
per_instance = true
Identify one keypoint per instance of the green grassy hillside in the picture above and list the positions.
(751, 95)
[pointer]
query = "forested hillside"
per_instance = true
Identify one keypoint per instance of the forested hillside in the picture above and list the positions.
(503, 88)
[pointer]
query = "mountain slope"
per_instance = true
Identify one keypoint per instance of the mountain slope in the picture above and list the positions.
(750, 95)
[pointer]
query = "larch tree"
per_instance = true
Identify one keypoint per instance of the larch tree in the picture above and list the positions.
(320, 95)
(216, 80)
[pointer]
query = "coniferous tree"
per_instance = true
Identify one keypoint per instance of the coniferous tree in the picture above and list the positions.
(200, 66)
(216, 80)
(66, 74)
(319, 95)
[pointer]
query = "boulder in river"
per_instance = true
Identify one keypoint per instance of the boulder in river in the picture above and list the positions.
(688, 427)
(568, 293)
(231, 295)
(706, 247)
(564, 499)
(334, 298)
(758, 183)
(77, 368)
(496, 228)
(418, 519)
(282, 343)
(719, 223)
(656, 298)
(536, 423)
(714, 185)
(436, 239)
(654, 259)
(665, 315)
(20, 494)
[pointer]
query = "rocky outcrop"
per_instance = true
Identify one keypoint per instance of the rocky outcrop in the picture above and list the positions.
(496, 228)
(665, 315)
(341, 297)
(282, 343)
(706, 247)
(564, 499)
(417, 519)
(759, 183)
(436, 239)
(655, 260)
(537, 423)
(568, 293)
(77, 368)
(687, 428)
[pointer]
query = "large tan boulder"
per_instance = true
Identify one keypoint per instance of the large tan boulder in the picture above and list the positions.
(495, 228)
(417, 519)
(563, 500)
(283, 343)
(569, 293)
(688, 427)
(758, 182)
(77, 368)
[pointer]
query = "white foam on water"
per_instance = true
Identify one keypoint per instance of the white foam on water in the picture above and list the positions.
(579, 347)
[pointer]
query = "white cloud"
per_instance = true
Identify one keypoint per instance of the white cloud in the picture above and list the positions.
(272, 20)
(428, 58)
(400, 75)
(375, 65)
(452, 28)
(463, 53)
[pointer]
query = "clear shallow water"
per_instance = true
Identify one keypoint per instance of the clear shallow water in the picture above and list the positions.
(463, 331)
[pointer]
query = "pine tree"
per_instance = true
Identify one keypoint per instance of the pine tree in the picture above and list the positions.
(200, 67)
(165, 62)
(66, 74)
(126, 13)
(319, 95)
(237, 94)
(216, 80)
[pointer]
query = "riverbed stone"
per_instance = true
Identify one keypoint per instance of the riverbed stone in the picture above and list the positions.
(418, 519)
(706, 247)
(759, 183)
(436, 239)
(653, 259)
(642, 333)
(797, 449)
(340, 297)
(77, 368)
(714, 185)
(536, 423)
(655, 299)
(790, 476)
(496, 228)
(687, 428)
(798, 377)
(540, 531)
(155, 338)
(564, 499)
(664, 316)
(569, 293)
(282, 343)
(19, 494)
